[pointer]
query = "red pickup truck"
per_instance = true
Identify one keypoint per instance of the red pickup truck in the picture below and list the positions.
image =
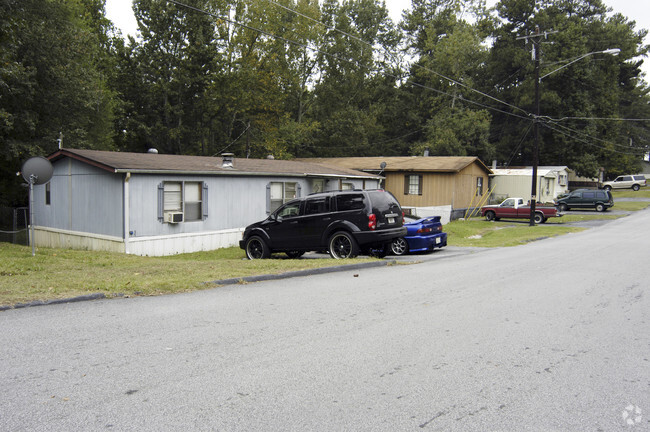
(514, 208)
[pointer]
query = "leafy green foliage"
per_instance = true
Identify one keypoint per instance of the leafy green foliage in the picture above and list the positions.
(299, 78)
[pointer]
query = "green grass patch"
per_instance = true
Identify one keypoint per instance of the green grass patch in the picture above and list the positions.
(62, 273)
(568, 217)
(480, 233)
(644, 192)
(630, 205)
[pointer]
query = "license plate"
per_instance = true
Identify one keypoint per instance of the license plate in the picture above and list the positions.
(391, 220)
(437, 240)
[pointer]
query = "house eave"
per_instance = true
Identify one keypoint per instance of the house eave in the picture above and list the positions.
(242, 173)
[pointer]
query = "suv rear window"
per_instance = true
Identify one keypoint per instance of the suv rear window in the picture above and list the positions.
(639, 177)
(349, 202)
(382, 199)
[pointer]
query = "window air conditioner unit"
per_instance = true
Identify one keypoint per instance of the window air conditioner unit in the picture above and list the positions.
(173, 217)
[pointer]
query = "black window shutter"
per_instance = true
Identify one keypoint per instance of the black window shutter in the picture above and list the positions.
(406, 184)
(419, 185)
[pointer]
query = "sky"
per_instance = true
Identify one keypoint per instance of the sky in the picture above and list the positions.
(121, 13)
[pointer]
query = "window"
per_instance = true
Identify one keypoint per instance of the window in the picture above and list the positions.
(589, 195)
(279, 193)
(290, 210)
(352, 201)
(347, 186)
(413, 184)
(479, 186)
(192, 202)
(173, 197)
(48, 196)
(188, 198)
(317, 205)
(318, 185)
(562, 179)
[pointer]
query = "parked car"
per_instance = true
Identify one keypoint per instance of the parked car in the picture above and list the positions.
(345, 223)
(634, 182)
(422, 235)
(600, 200)
(516, 208)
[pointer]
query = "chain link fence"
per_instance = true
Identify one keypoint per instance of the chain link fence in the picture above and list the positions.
(14, 223)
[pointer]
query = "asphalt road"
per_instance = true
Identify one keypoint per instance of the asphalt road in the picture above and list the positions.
(550, 336)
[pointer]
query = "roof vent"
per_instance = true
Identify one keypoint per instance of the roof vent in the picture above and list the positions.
(227, 160)
(152, 151)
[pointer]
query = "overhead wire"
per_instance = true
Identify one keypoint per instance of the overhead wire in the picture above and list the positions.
(334, 56)
(527, 116)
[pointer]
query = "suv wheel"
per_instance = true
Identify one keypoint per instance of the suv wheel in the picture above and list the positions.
(399, 246)
(256, 248)
(600, 207)
(635, 187)
(608, 188)
(564, 207)
(342, 246)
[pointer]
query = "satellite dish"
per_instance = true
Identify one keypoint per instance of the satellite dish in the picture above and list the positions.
(37, 170)
(382, 165)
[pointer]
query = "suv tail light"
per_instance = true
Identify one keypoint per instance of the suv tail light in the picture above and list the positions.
(372, 221)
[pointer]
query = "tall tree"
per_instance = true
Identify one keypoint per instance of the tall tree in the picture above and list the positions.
(450, 56)
(52, 82)
(596, 86)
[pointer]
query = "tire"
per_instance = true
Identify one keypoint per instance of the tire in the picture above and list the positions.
(295, 254)
(399, 246)
(608, 188)
(490, 216)
(342, 246)
(600, 207)
(539, 218)
(256, 248)
(563, 207)
(635, 187)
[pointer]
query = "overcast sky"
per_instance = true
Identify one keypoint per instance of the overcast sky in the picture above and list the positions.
(120, 12)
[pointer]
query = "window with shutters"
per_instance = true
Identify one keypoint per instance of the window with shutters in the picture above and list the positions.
(412, 184)
(188, 198)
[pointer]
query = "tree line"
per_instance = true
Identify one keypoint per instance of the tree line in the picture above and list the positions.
(295, 78)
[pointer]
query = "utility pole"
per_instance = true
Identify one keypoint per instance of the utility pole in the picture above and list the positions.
(536, 40)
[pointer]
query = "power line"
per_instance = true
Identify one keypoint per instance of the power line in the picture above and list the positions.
(319, 51)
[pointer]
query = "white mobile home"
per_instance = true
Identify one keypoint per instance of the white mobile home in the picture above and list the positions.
(154, 204)
(517, 182)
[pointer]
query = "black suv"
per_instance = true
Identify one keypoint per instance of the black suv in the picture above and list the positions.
(601, 200)
(344, 223)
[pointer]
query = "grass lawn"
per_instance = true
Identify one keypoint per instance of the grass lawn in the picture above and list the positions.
(62, 273)
(481, 233)
(644, 192)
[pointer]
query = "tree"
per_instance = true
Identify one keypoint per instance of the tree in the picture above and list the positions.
(450, 54)
(598, 86)
(52, 82)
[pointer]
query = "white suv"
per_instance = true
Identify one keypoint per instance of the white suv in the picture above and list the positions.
(626, 182)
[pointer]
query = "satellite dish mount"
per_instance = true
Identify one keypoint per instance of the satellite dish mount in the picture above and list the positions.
(35, 171)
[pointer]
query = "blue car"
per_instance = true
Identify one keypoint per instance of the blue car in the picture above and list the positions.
(422, 235)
